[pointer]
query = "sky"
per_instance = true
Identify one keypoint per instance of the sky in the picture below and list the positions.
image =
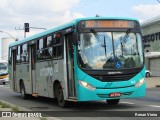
(51, 13)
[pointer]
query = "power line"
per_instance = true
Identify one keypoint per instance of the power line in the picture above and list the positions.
(158, 1)
(82, 4)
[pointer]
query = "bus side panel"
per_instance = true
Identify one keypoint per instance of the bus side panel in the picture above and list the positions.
(46, 73)
(23, 74)
(18, 77)
(25, 77)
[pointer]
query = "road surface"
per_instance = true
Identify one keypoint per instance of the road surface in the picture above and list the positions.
(149, 103)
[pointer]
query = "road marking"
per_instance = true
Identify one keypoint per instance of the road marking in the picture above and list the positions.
(128, 103)
(154, 106)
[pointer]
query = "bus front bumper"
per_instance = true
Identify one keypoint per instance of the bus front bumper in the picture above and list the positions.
(84, 94)
(4, 80)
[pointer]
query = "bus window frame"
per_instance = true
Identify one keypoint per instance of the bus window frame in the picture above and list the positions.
(26, 62)
(20, 45)
(46, 48)
(60, 44)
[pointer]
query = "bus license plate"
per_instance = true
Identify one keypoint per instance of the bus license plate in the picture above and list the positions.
(115, 95)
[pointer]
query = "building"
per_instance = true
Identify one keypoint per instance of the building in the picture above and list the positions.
(151, 41)
(4, 47)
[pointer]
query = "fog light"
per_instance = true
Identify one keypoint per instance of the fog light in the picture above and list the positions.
(86, 85)
(140, 83)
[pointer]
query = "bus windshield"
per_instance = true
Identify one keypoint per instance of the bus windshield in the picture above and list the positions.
(110, 50)
(3, 68)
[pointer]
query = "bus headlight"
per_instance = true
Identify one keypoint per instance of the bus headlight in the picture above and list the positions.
(140, 83)
(86, 85)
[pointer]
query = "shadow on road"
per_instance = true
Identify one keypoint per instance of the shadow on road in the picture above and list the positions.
(91, 106)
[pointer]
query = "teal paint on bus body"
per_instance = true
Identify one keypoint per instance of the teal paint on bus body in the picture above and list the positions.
(102, 88)
(88, 95)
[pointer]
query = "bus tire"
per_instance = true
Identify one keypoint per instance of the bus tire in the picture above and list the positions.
(23, 91)
(113, 101)
(60, 96)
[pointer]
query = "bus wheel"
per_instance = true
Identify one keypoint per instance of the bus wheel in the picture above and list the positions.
(113, 102)
(60, 97)
(23, 91)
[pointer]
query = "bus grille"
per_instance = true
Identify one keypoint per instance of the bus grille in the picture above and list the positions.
(114, 78)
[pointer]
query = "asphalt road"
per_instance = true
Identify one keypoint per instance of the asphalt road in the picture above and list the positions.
(149, 103)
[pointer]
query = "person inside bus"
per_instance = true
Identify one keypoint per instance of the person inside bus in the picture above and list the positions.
(109, 63)
(129, 63)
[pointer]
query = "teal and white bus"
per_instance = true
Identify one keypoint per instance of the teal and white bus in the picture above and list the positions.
(88, 59)
(3, 72)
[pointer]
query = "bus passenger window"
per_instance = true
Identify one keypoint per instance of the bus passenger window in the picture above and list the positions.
(24, 55)
(49, 49)
(18, 59)
(49, 41)
(40, 45)
(40, 51)
(57, 46)
(59, 51)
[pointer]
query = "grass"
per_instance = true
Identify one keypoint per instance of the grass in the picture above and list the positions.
(4, 105)
(16, 109)
(43, 118)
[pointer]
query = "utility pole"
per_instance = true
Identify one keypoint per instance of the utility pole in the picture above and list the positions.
(27, 28)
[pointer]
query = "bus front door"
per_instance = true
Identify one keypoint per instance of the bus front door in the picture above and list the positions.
(70, 66)
(13, 74)
(32, 66)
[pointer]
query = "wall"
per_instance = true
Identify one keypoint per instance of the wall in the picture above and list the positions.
(4, 47)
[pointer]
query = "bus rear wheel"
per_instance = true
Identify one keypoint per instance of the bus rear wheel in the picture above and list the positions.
(23, 91)
(113, 102)
(60, 97)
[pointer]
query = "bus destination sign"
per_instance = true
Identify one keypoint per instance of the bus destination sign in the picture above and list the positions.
(108, 24)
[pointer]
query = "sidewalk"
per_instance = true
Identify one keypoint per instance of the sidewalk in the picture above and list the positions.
(152, 82)
(7, 107)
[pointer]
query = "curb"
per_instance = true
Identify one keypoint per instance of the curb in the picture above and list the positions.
(24, 109)
(12, 105)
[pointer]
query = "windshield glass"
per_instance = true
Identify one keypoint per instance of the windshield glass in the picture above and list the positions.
(3, 68)
(110, 50)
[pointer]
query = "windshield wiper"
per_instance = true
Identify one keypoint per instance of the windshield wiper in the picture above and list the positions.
(123, 39)
(95, 34)
(127, 33)
(104, 45)
(99, 39)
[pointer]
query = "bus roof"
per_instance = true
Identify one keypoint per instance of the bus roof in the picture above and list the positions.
(69, 24)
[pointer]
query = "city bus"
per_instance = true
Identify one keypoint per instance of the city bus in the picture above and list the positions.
(3, 72)
(88, 59)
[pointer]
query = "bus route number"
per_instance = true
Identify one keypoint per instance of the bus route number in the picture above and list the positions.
(90, 24)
